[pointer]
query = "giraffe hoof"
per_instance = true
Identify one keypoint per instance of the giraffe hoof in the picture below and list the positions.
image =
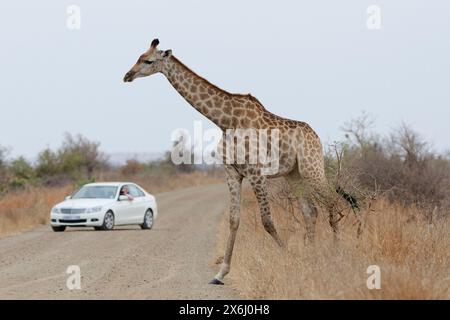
(215, 281)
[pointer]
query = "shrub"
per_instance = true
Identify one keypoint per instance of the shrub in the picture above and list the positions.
(76, 159)
(20, 173)
(132, 167)
(402, 166)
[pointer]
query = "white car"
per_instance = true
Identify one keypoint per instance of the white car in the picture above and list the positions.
(104, 205)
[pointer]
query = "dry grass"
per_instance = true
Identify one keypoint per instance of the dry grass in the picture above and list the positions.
(413, 256)
(22, 210)
(25, 209)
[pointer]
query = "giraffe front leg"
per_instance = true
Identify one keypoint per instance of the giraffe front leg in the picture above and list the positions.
(234, 180)
(259, 185)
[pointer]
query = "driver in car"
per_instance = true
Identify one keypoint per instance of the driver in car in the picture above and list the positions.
(125, 192)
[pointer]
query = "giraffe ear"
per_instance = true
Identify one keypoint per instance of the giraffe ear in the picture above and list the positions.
(167, 53)
(155, 42)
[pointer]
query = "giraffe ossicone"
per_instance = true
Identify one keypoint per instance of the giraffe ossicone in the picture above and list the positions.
(300, 152)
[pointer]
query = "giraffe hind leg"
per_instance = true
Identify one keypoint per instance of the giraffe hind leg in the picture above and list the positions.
(306, 203)
(309, 211)
(318, 190)
(259, 185)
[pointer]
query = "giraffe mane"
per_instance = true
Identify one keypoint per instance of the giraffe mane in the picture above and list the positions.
(248, 95)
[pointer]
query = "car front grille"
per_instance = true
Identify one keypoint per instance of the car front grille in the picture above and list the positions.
(72, 221)
(72, 211)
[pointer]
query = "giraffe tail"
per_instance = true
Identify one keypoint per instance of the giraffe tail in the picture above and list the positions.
(348, 197)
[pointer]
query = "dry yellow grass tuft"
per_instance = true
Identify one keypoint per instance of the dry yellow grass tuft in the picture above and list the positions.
(25, 209)
(413, 256)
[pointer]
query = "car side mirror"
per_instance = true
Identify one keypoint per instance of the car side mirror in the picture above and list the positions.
(123, 198)
(68, 197)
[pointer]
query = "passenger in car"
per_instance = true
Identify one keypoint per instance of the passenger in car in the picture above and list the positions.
(125, 192)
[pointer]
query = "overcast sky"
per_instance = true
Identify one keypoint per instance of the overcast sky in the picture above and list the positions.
(314, 61)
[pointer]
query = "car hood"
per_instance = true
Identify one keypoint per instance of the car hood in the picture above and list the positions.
(84, 203)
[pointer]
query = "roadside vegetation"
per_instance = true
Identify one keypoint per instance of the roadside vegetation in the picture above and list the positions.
(402, 186)
(404, 192)
(29, 190)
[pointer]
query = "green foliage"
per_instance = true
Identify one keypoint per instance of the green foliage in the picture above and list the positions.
(80, 156)
(21, 173)
(47, 164)
(22, 169)
(76, 160)
(79, 161)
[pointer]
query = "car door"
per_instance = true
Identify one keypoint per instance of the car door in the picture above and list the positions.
(138, 209)
(124, 210)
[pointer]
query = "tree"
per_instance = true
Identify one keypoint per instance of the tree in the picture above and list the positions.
(76, 160)
(401, 165)
(357, 130)
(78, 154)
(47, 164)
(411, 146)
(21, 171)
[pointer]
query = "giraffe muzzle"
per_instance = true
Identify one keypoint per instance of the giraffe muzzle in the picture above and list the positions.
(129, 76)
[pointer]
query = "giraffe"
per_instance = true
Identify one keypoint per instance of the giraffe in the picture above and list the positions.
(301, 159)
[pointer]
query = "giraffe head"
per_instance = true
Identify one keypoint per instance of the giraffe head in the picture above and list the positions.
(150, 62)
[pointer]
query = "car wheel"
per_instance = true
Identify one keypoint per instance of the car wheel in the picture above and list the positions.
(108, 221)
(59, 228)
(148, 220)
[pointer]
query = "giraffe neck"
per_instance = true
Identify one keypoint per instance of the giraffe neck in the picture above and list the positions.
(205, 97)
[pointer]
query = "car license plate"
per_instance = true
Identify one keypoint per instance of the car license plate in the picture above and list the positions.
(71, 217)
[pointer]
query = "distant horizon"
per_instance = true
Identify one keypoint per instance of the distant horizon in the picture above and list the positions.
(118, 157)
(114, 158)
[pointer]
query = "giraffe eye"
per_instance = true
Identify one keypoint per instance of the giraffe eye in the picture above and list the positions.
(148, 62)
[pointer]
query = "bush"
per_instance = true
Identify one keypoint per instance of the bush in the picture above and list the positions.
(22, 173)
(76, 160)
(79, 155)
(132, 167)
(402, 166)
(47, 164)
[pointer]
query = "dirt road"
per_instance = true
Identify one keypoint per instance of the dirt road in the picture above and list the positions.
(174, 260)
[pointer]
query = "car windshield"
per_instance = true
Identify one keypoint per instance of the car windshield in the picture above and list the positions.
(96, 192)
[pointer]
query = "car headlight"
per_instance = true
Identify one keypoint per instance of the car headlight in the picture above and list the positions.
(94, 209)
(56, 210)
